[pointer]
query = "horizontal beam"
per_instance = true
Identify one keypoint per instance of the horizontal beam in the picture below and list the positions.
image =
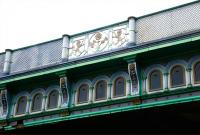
(67, 66)
(111, 111)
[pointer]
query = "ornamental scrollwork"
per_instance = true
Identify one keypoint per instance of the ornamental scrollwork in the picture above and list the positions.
(98, 42)
(64, 89)
(119, 37)
(4, 103)
(78, 48)
(133, 74)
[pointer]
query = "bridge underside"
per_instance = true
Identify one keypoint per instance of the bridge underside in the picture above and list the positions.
(181, 118)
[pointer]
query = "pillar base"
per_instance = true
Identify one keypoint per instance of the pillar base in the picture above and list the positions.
(130, 44)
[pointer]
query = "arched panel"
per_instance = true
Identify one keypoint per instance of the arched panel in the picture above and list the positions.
(196, 72)
(177, 76)
(119, 88)
(83, 94)
(21, 105)
(101, 90)
(53, 98)
(155, 80)
(153, 67)
(37, 102)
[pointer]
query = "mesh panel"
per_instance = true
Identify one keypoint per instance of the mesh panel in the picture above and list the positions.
(36, 56)
(1, 62)
(170, 23)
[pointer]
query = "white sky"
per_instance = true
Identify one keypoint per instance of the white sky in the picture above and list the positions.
(28, 22)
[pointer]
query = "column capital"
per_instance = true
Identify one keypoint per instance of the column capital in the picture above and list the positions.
(132, 17)
(129, 81)
(65, 35)
(2, 87)
(61, 73)
(188, 69)
(60, 93)
(166, 73)
(8, 50)
(74, 91)
(91, 88)
(130, 59)
(110, 84)
(144, 77)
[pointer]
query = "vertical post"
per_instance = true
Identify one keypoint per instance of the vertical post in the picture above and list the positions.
(61, 103)
(65, 47)
(189, 77)
(110, 91)
(132, 30)
(7, 61)
(12, 111)
(44, 103)
(91, 95)
(28, 106)
(74, 98)
(144, 91)
(165, 81)
(130, 87)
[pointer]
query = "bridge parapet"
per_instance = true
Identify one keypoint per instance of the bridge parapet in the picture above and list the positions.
(99, 41)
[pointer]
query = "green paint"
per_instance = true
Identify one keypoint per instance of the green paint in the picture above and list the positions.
(111, 102)
(110, 111)
(116, 110)
(107, 58)
(9, 128)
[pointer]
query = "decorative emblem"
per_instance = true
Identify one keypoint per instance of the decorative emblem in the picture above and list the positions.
(133, 75)
(98, 42)
(78, 48)
(4, 103)
(119, 37)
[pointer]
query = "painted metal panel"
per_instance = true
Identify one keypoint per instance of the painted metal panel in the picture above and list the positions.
(167, 24)
(37, 56)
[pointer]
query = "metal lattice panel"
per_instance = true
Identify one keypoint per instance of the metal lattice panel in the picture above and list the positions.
(2, 56)
(36, 56)
(169, 23)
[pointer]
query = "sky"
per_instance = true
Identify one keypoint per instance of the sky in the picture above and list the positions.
(28, 22)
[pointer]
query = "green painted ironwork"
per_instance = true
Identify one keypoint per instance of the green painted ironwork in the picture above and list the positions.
(67, 66)
(116, 110)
